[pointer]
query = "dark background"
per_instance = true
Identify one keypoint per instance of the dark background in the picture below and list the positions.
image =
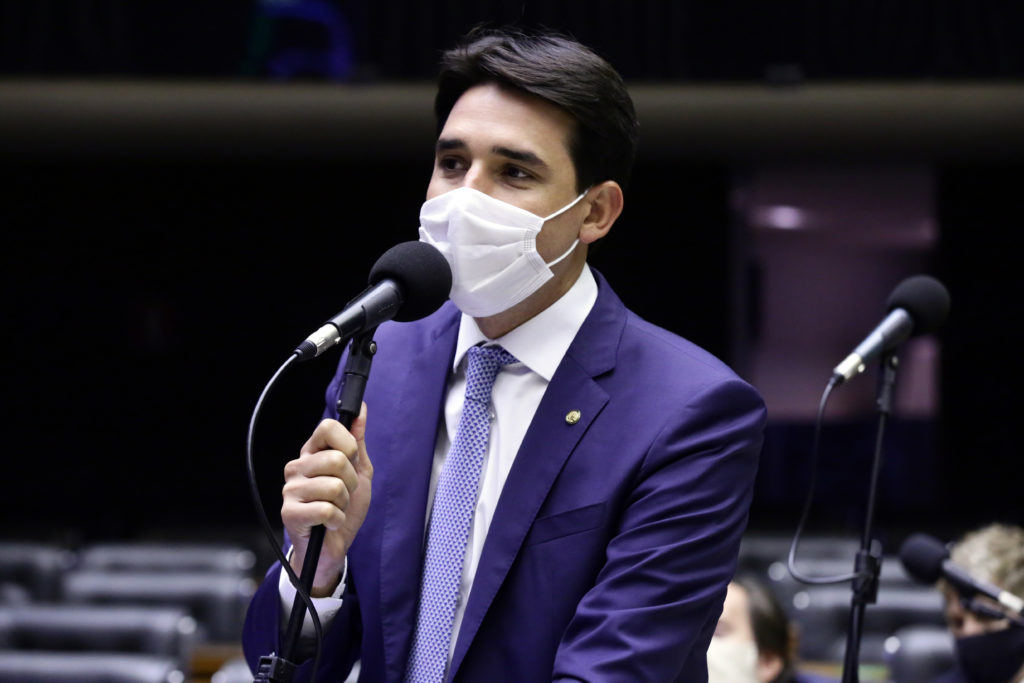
(735, 40)
(149, 297)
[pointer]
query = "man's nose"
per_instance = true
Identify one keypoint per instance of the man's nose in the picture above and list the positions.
(478, 179)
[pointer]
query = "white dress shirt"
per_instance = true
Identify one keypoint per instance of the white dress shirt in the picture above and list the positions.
(539, 344)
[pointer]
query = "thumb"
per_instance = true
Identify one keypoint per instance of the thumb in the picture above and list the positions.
(358, 430)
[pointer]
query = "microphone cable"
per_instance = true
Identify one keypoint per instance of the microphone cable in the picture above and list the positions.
(815, 449)
(265, 520)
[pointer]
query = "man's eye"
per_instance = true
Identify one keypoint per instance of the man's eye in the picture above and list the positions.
(449, 163)
(516, 173)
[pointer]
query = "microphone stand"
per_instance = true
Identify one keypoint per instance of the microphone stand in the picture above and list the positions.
(869, 558)
(280, 668)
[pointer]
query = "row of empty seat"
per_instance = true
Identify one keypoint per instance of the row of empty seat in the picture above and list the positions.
(137, 612)
(132, 612)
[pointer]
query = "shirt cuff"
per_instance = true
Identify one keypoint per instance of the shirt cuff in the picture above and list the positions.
(325, 607)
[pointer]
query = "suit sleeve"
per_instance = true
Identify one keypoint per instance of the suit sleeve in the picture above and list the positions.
(656, 601)
(263, 633)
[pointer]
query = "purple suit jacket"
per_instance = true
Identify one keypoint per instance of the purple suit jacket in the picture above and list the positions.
(614, 537)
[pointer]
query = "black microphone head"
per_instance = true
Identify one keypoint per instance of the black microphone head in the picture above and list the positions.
(925, 299)
(922, 556)
(422, 273)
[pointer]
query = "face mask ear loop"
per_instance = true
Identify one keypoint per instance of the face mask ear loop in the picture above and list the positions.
(558, 213)
(563, 256)
(568, 206)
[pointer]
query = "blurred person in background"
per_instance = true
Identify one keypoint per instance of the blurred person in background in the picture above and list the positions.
(989, 646)
(754, 641)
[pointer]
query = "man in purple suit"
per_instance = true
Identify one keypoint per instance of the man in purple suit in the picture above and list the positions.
(558, 487)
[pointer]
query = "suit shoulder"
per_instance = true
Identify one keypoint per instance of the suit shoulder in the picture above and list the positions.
(649, 343)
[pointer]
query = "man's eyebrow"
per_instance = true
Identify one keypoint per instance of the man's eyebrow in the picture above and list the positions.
(520, 155)
(444, 144)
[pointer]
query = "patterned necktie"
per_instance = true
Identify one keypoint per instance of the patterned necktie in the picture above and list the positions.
(454, 501)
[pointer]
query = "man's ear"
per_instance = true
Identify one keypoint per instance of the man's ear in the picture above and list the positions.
(605, 201)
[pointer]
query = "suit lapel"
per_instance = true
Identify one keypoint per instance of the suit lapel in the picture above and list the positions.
(547, 445)
(413, 427)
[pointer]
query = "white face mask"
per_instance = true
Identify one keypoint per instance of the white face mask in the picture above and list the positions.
(732, 660)
(491, 246)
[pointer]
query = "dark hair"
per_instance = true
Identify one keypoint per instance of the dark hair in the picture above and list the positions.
(560, 71)
(772, 632)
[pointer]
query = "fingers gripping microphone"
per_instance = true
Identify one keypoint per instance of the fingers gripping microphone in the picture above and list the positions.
(926, 559)
(409, 281)
(918, 305)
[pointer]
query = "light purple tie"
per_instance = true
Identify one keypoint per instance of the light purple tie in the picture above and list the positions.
(454, 501)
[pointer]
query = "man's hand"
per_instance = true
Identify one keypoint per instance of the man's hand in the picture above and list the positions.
(328, 484)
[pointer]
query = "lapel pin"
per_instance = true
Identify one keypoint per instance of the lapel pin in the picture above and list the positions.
(572, 417)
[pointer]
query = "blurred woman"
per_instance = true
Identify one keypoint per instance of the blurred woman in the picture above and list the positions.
(754, 641)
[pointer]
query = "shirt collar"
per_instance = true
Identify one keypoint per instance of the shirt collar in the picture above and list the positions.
(540, 342)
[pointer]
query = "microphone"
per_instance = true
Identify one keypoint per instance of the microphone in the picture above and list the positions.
(409, 281)
(917, 305)
(926, 559)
